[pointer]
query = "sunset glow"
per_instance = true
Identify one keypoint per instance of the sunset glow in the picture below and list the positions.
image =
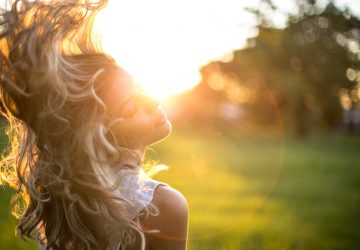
(163, 44)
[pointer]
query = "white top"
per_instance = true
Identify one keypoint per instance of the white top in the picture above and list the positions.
(139, 189)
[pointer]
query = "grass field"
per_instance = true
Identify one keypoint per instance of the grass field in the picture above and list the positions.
(256, 191)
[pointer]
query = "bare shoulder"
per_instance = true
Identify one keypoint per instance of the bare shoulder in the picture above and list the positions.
(172, 220)
(170, 200)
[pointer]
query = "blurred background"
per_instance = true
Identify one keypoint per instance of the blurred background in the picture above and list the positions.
(264, 101)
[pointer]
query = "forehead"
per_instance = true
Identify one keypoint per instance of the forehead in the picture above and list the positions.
(119, 86)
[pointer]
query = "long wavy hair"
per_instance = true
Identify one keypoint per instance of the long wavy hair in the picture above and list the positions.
(61, 150)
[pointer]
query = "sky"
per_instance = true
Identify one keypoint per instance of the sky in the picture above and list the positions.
(164, 43)
(354, 5)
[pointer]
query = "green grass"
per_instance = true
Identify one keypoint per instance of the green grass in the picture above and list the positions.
(256, 191)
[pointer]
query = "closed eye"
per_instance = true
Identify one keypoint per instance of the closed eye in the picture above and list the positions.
(146, 102)
(136, 101)
(129, 110)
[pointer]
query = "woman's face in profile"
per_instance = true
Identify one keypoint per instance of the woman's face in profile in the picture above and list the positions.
(136, 119)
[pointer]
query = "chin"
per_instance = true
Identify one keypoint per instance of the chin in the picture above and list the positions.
(164, 130)
(168, 126)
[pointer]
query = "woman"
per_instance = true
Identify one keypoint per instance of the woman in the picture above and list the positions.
(78, 128)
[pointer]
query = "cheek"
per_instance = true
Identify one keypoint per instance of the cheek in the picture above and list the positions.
(137, 127)
(142, 130)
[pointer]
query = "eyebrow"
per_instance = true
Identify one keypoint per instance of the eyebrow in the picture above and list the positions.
(126, 102)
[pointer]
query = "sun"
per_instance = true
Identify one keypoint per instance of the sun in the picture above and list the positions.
(160, 70)
(162, 84)
(163, 44)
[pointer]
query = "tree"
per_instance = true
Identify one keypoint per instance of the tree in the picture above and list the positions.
(306, 64)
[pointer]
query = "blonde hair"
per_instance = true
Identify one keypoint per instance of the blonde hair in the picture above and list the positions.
(61, 150)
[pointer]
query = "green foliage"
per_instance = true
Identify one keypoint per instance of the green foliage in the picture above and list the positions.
(302, 67)
(8, 240)
(317, 49)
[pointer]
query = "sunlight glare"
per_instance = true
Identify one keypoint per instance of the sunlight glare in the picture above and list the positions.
(164, 44)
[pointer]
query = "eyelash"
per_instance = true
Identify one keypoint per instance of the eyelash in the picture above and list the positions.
(130, 110)
(134, 104)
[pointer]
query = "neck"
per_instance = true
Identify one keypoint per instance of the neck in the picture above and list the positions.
(131, 159)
